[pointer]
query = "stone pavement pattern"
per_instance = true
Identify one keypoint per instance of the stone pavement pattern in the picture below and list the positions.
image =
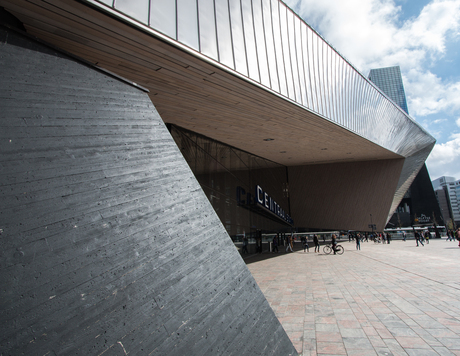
(395, 299)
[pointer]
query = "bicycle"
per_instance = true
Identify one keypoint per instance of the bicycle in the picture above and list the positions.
(328, 249)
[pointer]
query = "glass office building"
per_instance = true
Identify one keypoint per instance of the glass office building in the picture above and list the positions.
(389, 80)
(419, 205)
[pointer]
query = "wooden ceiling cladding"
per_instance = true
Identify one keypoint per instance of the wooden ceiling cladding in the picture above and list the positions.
(192, 93)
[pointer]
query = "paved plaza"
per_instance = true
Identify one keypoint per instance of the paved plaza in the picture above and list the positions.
(395, 299)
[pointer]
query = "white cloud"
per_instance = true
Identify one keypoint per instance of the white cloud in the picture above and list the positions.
(370, 34)
(444, 160)
(373, 34)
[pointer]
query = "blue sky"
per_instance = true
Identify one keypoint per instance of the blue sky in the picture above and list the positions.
(423, 38)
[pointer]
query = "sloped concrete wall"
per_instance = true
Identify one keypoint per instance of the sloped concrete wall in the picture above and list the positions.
(108, 244)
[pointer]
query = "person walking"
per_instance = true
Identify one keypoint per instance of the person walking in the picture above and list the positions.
(404, 236)
(358, 242)
(316, 242)
(275, 244)
(289, 244)
(245, 244)
(304, 240)
(418, 238)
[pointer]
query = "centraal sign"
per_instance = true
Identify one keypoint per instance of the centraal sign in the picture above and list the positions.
(262, 202)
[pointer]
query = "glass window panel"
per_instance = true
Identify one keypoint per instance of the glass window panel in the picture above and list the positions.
(207, 22)
(163, 16)
(300, 34)
(269, 40)
(285, 46)
(293, 55)
(239, 50)
(137, 9)
(250, 40)
(224, 36)
(260, 42)
(187, 23)
(279, 47)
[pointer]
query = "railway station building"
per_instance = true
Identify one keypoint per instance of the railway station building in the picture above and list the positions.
(141, 139)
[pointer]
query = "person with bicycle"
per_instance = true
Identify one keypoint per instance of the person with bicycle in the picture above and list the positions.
(334, 243)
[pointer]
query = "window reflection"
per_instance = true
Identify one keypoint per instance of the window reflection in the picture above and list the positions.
(227, 175)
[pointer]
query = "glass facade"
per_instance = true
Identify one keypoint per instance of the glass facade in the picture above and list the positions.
(389, 80)
(229, 178)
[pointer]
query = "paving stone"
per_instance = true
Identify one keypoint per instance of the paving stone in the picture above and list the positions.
(377, 301)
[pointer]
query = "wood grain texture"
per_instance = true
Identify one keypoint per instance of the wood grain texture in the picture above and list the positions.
(108, 244)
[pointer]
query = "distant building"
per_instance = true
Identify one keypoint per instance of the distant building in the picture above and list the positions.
(419, 205)
(447, 192)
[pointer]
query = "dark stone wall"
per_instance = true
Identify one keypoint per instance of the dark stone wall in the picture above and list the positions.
(108, 244)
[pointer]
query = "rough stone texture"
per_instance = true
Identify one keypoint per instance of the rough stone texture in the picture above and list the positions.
(108, 244)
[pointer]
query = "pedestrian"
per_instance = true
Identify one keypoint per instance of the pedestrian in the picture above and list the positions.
(316, 242)
(358, 242)
(418, 238)
(388, 238)
(259, 244)
(289, 243)
(404, 236)
(458, 236)
(427, 236)
(245, 244)
(304, 240)
(275, 244)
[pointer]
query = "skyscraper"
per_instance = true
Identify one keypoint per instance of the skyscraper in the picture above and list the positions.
(389, 80)
(447, 192)
(419, 205)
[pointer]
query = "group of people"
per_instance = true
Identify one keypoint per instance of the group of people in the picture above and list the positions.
(453, 235)
(289, 243)
(361, 237)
